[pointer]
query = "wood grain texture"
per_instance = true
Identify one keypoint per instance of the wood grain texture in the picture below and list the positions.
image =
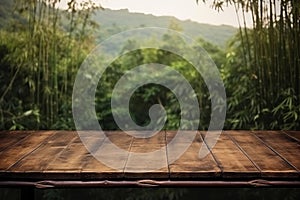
(189, 165)
(96, 167)
(18, 151)
(283, 145)
(39, 159)
(10, 138)
(293, 134)
(61, 155)
(231, 160)
(268, 162)
(146, 154)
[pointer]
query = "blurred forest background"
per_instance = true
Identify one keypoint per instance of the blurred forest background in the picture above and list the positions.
(42, 47)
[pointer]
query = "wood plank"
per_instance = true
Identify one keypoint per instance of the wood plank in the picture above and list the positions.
(15, 153)
(10, 138)
(37, 161)
(294, 134)
(75, 161)
(170, 135)
(109, 161)
(69, 159)
(147, 158)
(238, 155)
(190, 166)
(70, 162)
(233, 162)
(283, 145)
(269, 163)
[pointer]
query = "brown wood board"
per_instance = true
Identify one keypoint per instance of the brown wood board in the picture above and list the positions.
(147, 154)
(294, 134)
(283, 145)
(61, 155)
(11, 156)
(189, 165)
(231, 160)
(267, 161)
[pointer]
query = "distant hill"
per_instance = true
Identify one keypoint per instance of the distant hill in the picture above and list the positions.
(6, 8)
(114, 21)
(117, 20)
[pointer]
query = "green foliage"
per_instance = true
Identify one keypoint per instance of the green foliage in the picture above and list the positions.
(42, 47)
(39, 61)
(262, 71)
(150, 94)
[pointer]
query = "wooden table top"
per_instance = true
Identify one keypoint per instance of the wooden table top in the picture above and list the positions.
(237, 155)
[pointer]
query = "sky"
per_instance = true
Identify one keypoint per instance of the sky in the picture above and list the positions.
(181, 9)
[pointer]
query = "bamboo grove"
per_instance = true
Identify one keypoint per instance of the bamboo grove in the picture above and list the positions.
(269, 69)
(44, 47)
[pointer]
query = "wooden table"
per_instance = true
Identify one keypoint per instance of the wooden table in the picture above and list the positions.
(240, 158)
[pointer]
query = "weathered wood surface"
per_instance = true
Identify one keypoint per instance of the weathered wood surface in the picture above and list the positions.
(238, 155)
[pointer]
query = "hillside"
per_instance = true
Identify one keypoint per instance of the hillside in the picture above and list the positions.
(6, 12)
(116, 20)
